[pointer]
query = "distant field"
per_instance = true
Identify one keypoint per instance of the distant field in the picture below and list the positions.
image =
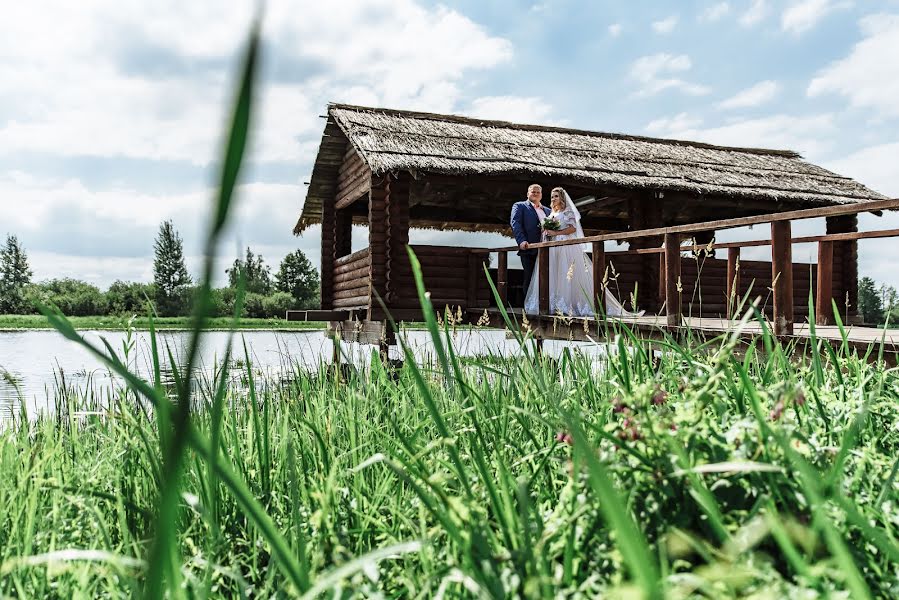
(111, 322)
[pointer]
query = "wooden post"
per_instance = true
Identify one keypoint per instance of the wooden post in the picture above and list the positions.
(733, 279)
(823, 306)
(782, 276)
(473, 276)
(845, 258)
(672, 278)
(543, 282)
(662, 277)
(599, 273)
(502, 277)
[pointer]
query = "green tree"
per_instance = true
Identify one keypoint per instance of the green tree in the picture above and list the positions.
(298, 278)
(71, 297)
(870, 305)
(129, 297)
(257, 275)
(15, 275)
(169, 271)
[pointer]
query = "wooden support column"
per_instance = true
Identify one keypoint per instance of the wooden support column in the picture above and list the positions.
(645, 212)
(474, 263)
(672, 278)
(543, 282)
(824, 293)
(397, 228)
(599, 274)
(733, 279)
(378, 199)
(782, 276)
(845, 261)
(328, 254)
(502, 276)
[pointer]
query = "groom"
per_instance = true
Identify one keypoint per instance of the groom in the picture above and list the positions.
(527, 217)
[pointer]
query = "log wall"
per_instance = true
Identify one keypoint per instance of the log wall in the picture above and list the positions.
(445, 270)
(352, 280)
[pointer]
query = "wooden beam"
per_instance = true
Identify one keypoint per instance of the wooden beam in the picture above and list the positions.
(811, 213)
(672, 279)
(599, 274)
(543, 274)
(782, 277)
(502, 277)
(824, 295)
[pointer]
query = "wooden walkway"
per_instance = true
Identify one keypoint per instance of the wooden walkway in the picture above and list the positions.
(656, 327)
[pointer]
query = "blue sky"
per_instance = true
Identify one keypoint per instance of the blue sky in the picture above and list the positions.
(111, 111)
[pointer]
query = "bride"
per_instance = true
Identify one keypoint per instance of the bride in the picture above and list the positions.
(570, 270)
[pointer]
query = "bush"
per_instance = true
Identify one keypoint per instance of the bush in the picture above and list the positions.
(129, 297)
(277, 304)
(72, 297)
(253, 306)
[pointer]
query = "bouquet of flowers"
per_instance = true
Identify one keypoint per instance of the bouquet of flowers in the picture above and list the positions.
(550, 224)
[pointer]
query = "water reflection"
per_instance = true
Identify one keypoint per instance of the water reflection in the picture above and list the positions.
(38, 366)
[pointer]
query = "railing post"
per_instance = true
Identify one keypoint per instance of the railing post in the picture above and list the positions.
(599, 274)
(782, 276)
(733, 279)
(823, 305)
(543, 282)
(502, 277)
(672, 278)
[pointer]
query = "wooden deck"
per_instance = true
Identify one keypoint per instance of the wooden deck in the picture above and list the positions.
(554, 327)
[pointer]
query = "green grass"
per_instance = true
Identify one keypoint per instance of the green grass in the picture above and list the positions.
(143, 323)
(694, 474)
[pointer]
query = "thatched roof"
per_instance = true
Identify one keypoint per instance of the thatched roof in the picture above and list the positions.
(396, 141)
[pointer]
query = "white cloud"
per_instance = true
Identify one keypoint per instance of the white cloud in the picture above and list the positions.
(867, 77)
(653, 73)
(615, 29)
(715, 12)
(802, 15)
(511, 108)
(811, 135)
(680, 122)
(137, 80)
(874, 167)
(758, 94)
(755, 13)
(666, 25)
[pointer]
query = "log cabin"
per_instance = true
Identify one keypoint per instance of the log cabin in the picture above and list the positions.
(396, 170)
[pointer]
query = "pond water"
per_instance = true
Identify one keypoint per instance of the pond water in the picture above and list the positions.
(35, 364)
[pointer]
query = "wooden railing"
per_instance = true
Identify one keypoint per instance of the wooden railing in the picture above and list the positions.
(781, 243)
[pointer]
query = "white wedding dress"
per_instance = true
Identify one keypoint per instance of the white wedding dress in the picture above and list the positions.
(570, 276)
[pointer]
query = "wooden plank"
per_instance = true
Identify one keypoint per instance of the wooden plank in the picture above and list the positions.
(782, 277)
(823, 305)
(317, 315)
(543, 274)
(599, 273)
(502, 276)
(672, 278)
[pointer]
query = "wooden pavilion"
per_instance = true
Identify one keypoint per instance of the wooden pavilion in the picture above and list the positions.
(394, 170)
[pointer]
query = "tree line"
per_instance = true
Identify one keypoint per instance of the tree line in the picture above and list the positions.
(172, 291)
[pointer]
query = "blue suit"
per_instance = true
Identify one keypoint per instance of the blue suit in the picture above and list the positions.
(526, 228)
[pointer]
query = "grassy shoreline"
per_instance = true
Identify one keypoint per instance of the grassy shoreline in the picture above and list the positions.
(118, 323)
